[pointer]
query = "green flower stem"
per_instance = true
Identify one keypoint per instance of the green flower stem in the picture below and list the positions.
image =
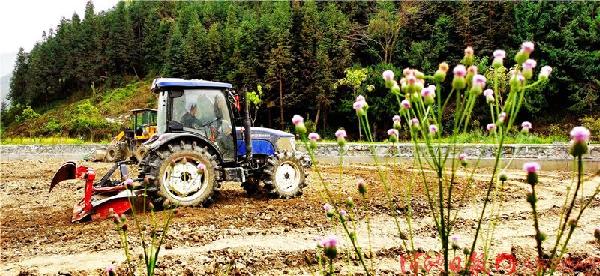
(331, 201)
(570, 208)
(536, 224)
(382, 177)
(564, 246)
(486, 200)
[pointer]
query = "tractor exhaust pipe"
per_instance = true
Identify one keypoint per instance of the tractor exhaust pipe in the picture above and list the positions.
(247, 126)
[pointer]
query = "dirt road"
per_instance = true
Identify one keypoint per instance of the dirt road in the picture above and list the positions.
(262, 236)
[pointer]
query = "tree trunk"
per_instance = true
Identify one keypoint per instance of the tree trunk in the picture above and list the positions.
(317, 117)
(281, 121)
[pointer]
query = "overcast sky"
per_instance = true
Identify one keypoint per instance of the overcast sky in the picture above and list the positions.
(23, 21)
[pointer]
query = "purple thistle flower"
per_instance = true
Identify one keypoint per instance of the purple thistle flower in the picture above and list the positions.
(491, 127)
(329, 245)
(340, 133)
(110, 270)
(460, 70)
(414, 121)
(580, 135)
(526, 125)
(469, 51)
(502, 117)
(433, 129)
(529, 64)
(201, 167)
(531, 167)
(405, 104)
(472, 70)
(462, 156)
(313, 136)
(527, 47)
(343, 213)
(501, 54)
(428, 91)
(327, 207)
(388, 75)
(129, 181)
(488, 93)
(396, 118)
(479, 80)
(443, 67)
(392, 132)
(297, 119)
(545, 71)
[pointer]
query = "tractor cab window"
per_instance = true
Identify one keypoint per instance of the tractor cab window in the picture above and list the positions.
(205, 111)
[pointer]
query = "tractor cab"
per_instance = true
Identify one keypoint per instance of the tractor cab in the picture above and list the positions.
(199, 108)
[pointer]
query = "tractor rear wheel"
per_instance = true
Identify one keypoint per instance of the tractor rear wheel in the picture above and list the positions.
(285, 175)
(187, 175)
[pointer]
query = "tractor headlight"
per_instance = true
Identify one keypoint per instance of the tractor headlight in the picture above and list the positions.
(286, 144)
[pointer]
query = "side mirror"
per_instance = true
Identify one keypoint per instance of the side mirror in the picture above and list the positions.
(124, 172)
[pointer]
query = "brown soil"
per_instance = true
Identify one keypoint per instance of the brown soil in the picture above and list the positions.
(258, 235)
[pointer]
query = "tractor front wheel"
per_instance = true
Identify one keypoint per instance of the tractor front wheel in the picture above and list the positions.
(285, 175)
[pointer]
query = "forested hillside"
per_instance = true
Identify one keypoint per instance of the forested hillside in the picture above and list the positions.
(301, 50)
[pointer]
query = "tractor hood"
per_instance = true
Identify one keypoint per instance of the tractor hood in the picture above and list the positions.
(263, 133)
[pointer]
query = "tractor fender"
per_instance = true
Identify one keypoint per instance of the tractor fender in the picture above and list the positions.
(169, 138)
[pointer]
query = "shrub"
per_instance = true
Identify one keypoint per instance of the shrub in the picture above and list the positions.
(27, 114)
(593, 124)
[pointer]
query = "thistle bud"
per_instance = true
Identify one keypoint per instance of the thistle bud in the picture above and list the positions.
(388, 77)
(393, 133)
(362, 187)
(526, 126)
(580, 137)
(395, 88)
(455, 239)
(360, 105)
(597, 234)
(503, 177)
(499, 56)
(501, 118)
(433, 129)
(340, 134)
(396, 120)
(329, 245)
(540, 236)
(545, 72)
(528, 66)
(468, 58)
(489, 95)
(573, 223)
(414, 122)
(463, 159)
(532, 168)
(428, 94)
(328, 210)
(349, 203)
(298, 122)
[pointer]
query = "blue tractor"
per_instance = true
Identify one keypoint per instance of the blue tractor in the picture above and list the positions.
(204, 138)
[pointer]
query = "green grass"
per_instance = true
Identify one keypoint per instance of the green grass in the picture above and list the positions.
(46, 141)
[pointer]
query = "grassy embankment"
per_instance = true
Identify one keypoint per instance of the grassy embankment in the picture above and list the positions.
(92, 118)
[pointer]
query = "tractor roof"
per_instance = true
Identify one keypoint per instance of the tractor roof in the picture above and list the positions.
(141, 110)
(170, 83)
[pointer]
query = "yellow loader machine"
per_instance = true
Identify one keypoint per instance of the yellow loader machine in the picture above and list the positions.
(128, 143)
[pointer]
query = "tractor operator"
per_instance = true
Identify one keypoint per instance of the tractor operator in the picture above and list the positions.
(189, 118)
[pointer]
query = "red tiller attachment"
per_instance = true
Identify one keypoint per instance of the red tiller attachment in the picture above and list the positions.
(115, 197)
